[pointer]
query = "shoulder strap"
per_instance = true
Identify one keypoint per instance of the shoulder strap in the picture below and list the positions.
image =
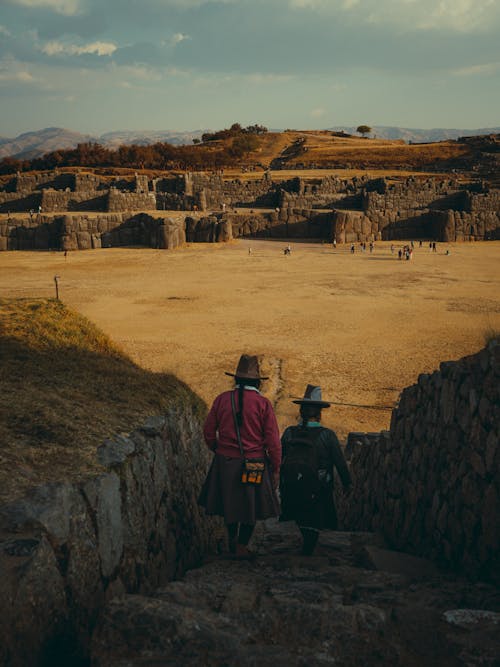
(236, 424)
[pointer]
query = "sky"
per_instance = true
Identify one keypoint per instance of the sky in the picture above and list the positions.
(101, 65)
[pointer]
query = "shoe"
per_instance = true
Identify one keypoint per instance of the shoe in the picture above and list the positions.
(243, 553)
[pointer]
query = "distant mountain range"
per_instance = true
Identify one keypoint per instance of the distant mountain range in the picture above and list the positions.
(35, 144)
(418, 136)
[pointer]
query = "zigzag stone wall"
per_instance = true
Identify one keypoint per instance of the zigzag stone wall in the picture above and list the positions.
(67, 548)
(363, 208)
(432, 484)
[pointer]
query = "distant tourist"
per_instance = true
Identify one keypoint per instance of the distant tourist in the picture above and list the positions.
(310, 454)
(371, 246)
(392, 248)
(434, 247)
(334, 242)
(242, 431)
(420, 243)
(352, 248)
(249, 250)
(400, 254)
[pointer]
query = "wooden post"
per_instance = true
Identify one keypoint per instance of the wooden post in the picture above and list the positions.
(56, 281)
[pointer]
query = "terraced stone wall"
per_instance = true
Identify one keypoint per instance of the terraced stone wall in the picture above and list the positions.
(432, 484)
(67, 548)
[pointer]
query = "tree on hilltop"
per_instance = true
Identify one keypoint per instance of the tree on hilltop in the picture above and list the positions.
(243, 145)
(364, 129)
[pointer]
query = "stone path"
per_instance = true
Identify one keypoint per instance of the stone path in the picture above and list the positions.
(354, 603)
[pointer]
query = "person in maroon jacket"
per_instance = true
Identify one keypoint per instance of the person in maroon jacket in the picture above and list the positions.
(223, 492)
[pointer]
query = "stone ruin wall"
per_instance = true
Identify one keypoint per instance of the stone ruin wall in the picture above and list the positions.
(440, 210)
(287, 223)
(66, 548)
(83, 232)
(363, 209)
(451, 226)
(432, 484)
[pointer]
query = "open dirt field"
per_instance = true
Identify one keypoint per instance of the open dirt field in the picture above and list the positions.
(363, 326)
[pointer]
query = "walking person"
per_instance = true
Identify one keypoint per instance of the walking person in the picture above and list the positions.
(310, 454)
(241, 429)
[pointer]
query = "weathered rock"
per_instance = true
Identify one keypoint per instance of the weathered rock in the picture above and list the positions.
(287, 609)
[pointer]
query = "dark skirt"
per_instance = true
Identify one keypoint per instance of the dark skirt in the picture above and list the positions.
(224, 495)
(322, 515)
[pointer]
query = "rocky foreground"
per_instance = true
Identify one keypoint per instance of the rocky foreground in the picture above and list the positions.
(354, 603)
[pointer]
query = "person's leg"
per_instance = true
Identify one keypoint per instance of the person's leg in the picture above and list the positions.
(246, 532)
(242, 550)
(309, 539)
(232, 536)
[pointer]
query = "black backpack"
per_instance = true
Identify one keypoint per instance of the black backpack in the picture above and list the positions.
(299, 482)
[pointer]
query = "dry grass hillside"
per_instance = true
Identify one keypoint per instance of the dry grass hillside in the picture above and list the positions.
(324, 148)
(303, 151)
(64, 388)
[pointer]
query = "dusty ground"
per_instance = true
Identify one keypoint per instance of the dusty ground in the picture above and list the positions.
(363, 326)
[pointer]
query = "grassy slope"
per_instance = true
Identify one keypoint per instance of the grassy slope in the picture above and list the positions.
(64, 388)
(323, 149)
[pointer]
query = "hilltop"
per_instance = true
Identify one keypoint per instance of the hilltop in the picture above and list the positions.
(36, 143)
(244, 151)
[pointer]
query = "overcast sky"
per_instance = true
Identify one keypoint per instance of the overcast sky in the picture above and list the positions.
(101, 65)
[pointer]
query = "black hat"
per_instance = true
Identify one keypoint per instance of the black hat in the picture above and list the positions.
(312, 396)
(248, 368)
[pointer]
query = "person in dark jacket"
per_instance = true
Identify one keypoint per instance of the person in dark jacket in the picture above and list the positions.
(316, 510)
(223, 493)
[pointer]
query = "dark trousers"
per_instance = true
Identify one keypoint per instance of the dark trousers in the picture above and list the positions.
(309, 539)
(240, 533)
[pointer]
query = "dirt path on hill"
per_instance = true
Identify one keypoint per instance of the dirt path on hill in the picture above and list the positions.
(363, 326)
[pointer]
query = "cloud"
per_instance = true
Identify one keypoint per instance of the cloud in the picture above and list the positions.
(66, 7)
(4, 31)
(141, 72)
(12, 71)
(319, 112)
(56, 48)
(192, 4)
(486, 68)
(259, 77)
(412, 15)
(178, 38)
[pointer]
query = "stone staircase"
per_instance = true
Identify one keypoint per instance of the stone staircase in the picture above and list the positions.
(353, 603)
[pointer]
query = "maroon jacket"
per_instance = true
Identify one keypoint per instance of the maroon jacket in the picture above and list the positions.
(259, 431)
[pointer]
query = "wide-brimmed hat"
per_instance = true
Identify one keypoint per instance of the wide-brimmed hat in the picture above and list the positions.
(312, 396)
(248, 368)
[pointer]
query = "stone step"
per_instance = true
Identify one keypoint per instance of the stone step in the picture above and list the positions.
(287, 609)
